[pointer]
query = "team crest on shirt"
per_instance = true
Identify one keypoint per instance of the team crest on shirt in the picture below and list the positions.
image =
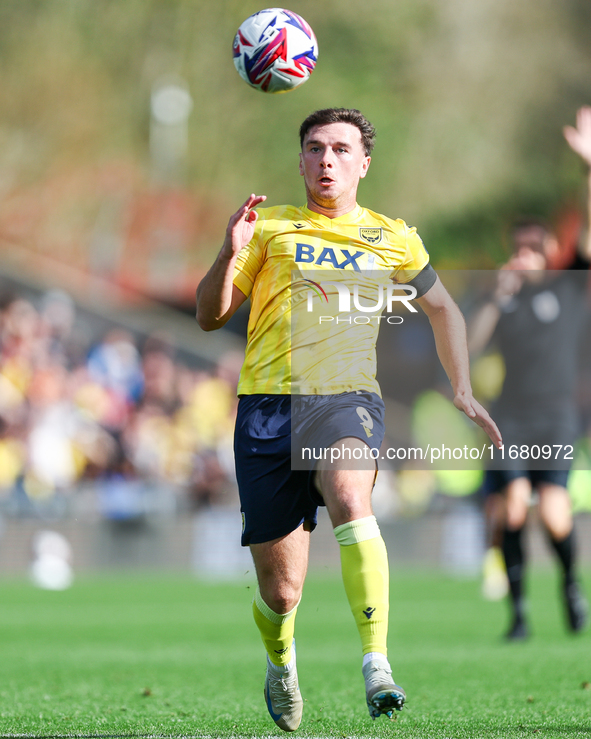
(371, 235)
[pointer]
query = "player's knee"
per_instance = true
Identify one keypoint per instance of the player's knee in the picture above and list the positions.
(558, 525)
(516, 517)
(284, 602)
(282, 597)
(556, 511)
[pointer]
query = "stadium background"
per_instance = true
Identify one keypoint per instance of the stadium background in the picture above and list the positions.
(127, 138)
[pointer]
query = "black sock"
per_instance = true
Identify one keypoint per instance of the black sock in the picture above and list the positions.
(514, 562)
(565, 550)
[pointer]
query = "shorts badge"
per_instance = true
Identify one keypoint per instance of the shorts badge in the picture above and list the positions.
(371, 235)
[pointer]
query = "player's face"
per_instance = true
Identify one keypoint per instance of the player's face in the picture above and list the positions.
(332, 162)
(532, 247)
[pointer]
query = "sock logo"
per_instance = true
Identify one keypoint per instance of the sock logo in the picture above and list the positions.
(281, 651)
(369, 611)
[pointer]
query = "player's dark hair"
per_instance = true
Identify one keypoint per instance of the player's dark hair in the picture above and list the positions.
(525, 222)
(341, 115)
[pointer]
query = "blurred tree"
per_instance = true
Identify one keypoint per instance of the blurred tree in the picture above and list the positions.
(469, 99)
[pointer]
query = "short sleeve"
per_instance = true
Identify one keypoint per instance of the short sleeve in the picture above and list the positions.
(415, 259)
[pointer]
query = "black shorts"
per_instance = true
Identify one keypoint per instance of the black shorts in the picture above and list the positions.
(277, 490)
(495, 481)
(534, 427)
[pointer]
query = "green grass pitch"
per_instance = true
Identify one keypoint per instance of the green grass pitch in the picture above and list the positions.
(169, 656)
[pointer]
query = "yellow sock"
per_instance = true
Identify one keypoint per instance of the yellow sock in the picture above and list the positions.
(364, 563)
(276, 630)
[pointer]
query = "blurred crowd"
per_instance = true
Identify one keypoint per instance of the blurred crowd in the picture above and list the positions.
(103, 419)
(117, 413)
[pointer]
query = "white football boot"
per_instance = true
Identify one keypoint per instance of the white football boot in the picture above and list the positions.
(382, 693)
(282, 694)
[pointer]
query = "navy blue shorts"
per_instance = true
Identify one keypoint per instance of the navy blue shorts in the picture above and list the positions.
(275, 498)
(496, 480)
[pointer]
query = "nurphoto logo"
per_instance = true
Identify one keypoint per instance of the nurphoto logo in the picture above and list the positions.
(350, 300)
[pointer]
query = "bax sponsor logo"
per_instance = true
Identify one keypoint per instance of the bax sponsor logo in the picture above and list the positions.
(349, 301)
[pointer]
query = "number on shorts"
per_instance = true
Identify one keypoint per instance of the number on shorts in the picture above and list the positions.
(366, 419)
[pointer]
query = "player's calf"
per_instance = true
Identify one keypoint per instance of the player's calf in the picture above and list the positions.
(577, 609)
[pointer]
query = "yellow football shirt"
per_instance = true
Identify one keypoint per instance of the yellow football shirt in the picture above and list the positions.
(284, 268)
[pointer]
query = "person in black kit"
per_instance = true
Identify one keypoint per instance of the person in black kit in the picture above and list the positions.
(536, 319)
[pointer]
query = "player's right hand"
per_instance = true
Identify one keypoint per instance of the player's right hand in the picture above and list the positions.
(509, 282)
(477, 413)
(240, 228)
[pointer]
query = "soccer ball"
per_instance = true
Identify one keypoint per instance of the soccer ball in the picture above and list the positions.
(275, 50)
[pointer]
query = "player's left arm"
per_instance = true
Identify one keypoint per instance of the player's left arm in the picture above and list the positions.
(449, 330)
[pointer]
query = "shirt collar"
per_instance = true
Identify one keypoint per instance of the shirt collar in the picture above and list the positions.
(349, 217)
